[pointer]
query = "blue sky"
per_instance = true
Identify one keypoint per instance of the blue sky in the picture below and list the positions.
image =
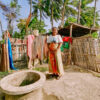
(25, 11)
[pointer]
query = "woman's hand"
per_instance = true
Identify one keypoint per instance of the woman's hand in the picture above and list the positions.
(55, 50)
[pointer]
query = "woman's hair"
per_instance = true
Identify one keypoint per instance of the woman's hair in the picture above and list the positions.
(55, 27)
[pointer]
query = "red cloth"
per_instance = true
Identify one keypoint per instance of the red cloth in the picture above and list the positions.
(67, 39)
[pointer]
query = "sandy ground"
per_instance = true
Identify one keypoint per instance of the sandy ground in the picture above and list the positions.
(73, 85)
(76, 84)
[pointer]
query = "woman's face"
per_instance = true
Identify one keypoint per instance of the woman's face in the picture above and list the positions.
(54, 31)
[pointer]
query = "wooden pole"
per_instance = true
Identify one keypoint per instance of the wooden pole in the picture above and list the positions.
(90, 31)
(71, 30)
(7, 56)
(94, 13)
(70, 49)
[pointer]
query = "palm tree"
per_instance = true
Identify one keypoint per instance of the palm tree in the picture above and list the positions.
(53, 10)
(5, 9)
(39, 8)
(63, 12)
(67, 10)
(10, 13)
(85, 12)
(30, 3)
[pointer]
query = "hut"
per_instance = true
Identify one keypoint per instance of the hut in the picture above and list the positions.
(84, 50)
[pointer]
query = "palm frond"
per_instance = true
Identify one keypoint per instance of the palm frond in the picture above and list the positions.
(4, 7)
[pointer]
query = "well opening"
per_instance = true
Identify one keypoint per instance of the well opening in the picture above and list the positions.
(30, 79)
(26, 78)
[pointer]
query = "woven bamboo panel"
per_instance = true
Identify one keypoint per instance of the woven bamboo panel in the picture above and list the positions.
(19, 52)
(86, 53)
(65, 56)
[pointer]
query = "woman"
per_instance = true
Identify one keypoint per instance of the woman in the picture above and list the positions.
(54, 42)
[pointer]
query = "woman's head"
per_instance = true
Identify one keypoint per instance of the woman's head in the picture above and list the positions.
(54, 31)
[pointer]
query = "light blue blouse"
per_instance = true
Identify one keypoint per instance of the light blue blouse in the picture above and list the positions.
(56, 39)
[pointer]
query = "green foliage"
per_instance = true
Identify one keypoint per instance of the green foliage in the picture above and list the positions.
(41, 69)
(42, 8)
(2, 41)
(3, 74)
(55, 5)
(87, 17)
(50, 31)
(34, 24)
(21, 24)
(70, 19)
(13, 4)
(87, 12)
(95, 35)
(18, 35)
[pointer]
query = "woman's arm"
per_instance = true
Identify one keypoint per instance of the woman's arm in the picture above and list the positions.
(48, 45)
(60, 41)
(59, 45)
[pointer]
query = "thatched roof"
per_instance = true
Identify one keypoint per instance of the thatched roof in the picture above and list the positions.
(77, 30)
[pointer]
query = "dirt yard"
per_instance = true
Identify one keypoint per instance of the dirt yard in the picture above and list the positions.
(73, 86)
(76, 84)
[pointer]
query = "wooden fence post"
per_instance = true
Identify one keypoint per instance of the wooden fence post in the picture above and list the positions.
(70, 49)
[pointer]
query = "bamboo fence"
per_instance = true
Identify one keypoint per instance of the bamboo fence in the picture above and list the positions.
(86, 53)
(19, 52)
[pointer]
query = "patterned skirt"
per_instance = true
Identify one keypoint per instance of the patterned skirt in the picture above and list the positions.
(55, 60)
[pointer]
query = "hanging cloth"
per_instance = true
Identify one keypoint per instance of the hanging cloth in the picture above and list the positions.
(10, 56)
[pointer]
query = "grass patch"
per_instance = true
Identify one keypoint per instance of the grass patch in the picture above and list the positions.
(3, 74)
(41, 69)
(97, 75)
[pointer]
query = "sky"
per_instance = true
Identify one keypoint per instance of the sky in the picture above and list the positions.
(24, 12)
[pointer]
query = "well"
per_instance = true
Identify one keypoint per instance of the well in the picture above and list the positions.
(23, 85)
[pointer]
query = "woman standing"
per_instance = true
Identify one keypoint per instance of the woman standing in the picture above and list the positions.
(54, 42)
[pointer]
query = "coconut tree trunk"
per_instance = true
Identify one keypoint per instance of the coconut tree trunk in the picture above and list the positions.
(94, 14)
(1, 27)
(10, 27)
(52, 13)
(30, 6)
(79, 12)
(40, 15)
(63, 13)
(40, 9)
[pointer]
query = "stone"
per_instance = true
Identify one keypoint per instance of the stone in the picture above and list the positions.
(23, 85)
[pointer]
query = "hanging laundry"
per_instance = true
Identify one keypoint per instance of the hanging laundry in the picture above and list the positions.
(66, 43)
(38, 47)
(4, 65)
(10, 56)
(30, 39)
(67, 39)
